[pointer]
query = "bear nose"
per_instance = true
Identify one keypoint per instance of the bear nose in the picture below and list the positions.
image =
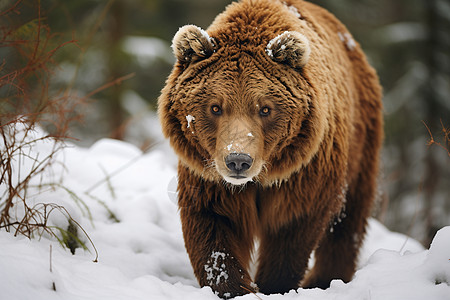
(238, 162)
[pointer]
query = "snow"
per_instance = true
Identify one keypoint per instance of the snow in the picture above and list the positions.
(276, 40)
(141, 249)
(215, 268)
(189, 119)
(293, 10)
(347, 39)
(206, 35)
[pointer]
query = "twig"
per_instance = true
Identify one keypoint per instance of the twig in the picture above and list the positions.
(117, 81)
(11, 8)
(51, 270)
(112, 174)
(433, 141)
(250, 291)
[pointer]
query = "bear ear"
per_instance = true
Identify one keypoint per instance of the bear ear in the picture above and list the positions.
(192, 43)
(290, 47)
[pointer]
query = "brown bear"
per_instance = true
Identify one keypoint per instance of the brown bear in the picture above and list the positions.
(276, 117)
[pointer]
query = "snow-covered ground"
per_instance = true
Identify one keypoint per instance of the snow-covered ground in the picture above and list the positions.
(141, 250)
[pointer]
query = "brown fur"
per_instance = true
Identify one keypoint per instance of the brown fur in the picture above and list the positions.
(314, 157)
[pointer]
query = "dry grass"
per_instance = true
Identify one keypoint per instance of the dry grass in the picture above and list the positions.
(27, 103)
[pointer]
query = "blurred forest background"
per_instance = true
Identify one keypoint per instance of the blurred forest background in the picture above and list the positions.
(108, 60)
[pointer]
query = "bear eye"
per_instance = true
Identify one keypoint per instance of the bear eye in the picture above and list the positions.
(265, 111)
(216, 110)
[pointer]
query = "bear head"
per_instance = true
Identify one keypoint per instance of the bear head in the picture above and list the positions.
(239, 105)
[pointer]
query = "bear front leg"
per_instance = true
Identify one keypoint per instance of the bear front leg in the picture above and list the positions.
(284, 255)
(337, 254)
(218, 251)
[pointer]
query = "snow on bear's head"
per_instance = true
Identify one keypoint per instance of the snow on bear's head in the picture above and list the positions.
(191, 43)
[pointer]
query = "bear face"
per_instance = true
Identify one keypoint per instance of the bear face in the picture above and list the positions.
(229, 120)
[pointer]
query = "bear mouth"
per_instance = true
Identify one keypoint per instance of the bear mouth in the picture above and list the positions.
(237, 179)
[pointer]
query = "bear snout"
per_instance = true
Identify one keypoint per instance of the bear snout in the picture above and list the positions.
(238, 163)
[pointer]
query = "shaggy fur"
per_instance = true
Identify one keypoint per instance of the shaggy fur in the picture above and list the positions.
(277, 122)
